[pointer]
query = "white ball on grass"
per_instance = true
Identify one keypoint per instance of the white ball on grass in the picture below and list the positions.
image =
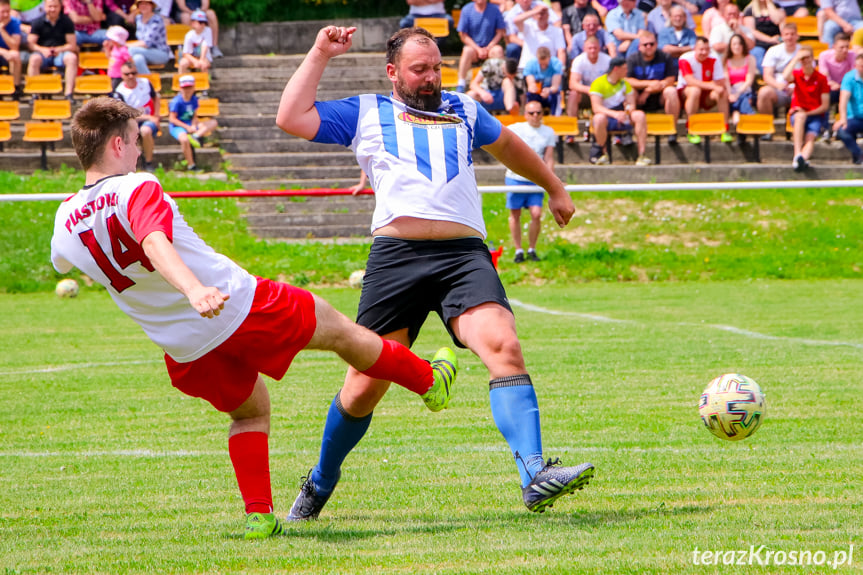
(66, 288)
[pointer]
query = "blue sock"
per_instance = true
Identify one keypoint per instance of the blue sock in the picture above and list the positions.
(342, 432)
(516, 414)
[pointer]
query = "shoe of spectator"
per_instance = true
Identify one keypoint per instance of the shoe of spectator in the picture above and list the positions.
(626, 140)
(603, 160)
(799, 163)
(858, 161)
(71, 99)
(194, 141)
(149, 167)
(216, 52)
(726, 138)
(693, 139)
(586, 136)
(617, 141)
(569, 140)
(595, 153)
(519, 257)
(643, 161)
(195, 168)
(460, 89)
(531, 255)
(767, 138)
(672, 139)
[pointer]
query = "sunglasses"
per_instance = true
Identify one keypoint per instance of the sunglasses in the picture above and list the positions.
(534, 113)
(648, 43)
(130, 73)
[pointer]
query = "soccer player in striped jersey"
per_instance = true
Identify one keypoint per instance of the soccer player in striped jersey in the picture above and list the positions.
(428, 252)
(219, 326)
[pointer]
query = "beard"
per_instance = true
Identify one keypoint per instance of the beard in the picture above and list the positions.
(416, 100)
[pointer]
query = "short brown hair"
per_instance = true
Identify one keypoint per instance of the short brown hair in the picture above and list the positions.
(95, 123)
(400, 38)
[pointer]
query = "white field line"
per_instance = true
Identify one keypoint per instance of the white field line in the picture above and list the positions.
(389, 452)
(726, 328)
(71, 366)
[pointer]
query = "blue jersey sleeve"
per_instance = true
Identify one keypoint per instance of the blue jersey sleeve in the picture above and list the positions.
(339, 119)
(487, 129)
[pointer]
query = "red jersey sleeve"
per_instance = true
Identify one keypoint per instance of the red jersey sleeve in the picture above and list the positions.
(685, 67)
(149, 212)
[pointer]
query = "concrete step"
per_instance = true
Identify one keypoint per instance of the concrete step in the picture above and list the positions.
(308, 232)
(262, 146)
(28, 161)
(288, 161)
(362, 204)
(308, 220)
(295, 184)
(273, 96)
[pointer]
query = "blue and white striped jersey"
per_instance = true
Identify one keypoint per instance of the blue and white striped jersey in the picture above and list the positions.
(419, 163)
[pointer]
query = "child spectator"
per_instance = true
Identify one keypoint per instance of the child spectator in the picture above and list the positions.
(184, 10)
(197, 45)
(494, 84)
(117, 52)
(185, 126)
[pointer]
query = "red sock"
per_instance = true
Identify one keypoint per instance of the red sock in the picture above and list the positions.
(399, 365)
(250, 455)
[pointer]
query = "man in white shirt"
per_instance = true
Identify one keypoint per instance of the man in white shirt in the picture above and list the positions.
(722, 31)
(776, 93)
(587, 67)
(514, 37)
(537, 31)
(541, 139)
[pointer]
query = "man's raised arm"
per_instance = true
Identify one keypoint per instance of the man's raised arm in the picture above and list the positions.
(297, 114)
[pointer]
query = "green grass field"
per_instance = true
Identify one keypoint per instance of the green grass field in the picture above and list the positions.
(107, 469)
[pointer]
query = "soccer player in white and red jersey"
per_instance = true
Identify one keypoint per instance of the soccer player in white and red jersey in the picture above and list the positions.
(219, 326)
(701, 84)
(428, 254)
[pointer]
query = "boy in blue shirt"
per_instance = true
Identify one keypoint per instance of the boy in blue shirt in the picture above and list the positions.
(185, 127)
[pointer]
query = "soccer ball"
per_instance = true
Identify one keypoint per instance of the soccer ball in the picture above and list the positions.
(355, 280)
(66, 288)
(732, 407)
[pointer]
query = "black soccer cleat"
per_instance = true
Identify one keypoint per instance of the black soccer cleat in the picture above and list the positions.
(554, 481)
(308, 503)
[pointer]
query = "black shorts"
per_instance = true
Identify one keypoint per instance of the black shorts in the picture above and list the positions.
(407, 279)
(653, 103)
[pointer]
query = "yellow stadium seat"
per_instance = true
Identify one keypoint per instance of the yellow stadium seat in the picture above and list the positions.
(5, 133)
(456, 16)
(448, 77)
(7, 85)
(437, 27)
(659, 125)
(507, 119)
(10, 110)
(755, 125)
(93, 84)
(52, 110)
(155, 80)
(43, 133)
(43, 84)
(807, 26)
(563, 126)
(163, 108)
(707, 125)
(176, 33)
(93, 61)
(202, 81)
(208, 108)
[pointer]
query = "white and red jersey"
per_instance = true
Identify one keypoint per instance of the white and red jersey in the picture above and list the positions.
(142, 97)
(708, 71)
(99, 231)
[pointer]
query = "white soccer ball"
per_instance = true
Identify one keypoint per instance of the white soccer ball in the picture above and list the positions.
(732, 407)
(355, 280)
(66, 288)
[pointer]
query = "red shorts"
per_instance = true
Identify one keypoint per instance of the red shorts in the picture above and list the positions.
(705, 102)
(279, 325)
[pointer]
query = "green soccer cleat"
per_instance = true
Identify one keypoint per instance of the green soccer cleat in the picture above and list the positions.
(263, 525)
(444, 366)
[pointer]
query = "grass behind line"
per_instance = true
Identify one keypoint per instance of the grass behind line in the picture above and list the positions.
(106, 469)
(641, 237)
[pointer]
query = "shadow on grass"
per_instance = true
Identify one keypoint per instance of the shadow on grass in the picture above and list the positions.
(334, 531)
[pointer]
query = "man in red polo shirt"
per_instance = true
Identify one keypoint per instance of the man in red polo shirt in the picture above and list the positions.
(809, 104)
